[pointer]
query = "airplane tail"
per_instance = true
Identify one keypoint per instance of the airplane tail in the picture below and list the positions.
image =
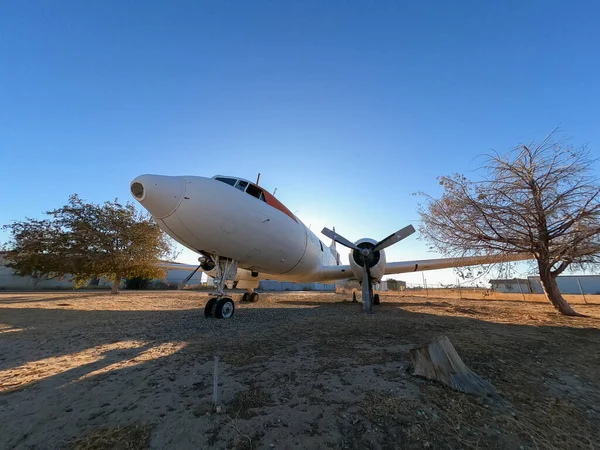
(333, 250)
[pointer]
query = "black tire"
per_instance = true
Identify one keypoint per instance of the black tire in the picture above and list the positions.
(210, 306)
(254, 297)
(225, 308)
(246, 297)
(376, 299)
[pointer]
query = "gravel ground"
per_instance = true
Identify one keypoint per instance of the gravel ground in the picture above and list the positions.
(297, 370)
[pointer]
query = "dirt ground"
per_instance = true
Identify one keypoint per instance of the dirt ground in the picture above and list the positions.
(88, 370)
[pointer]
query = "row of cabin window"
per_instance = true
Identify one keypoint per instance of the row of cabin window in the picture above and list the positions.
(244, 186)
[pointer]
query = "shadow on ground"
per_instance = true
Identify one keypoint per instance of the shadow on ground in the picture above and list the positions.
(296, 374)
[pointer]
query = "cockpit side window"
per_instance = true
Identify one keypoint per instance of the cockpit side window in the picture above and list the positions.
(241, 185)
(229, 181)
(254, 191)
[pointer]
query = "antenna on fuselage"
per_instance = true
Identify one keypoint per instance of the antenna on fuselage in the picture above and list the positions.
(274, 192)
(258, 178)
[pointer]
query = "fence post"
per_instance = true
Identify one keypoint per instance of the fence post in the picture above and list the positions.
(459, 290)
(521, 289)
(425, 283)
(585, 301)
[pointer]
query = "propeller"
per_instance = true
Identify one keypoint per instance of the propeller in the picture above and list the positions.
(394, 238)
(366, 255)
(340, 239)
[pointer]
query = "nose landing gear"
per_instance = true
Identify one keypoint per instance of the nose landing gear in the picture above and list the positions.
(220, 306)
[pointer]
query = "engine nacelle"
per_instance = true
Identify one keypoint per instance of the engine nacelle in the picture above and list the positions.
(376, 265)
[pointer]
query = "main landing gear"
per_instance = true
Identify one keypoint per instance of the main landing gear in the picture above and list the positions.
(220, 306)
(373, 298)
(250, 297)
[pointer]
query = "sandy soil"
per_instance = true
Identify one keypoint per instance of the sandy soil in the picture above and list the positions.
(88, 370)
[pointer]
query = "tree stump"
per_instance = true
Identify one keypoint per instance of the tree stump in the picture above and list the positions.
(438, 360)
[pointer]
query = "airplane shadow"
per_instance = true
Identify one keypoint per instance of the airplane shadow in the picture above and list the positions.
(359, 303)
(16, 299)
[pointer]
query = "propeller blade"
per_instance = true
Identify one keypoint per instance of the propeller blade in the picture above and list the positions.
(340, 239)
(367, 301)
(395, 237)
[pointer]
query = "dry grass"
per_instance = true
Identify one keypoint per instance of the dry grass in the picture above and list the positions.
(252, 398)
(132, 437)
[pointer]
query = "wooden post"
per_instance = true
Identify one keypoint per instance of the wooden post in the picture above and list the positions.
(521, 289)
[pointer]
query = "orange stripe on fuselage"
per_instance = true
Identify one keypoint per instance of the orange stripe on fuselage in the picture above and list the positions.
(278, 205)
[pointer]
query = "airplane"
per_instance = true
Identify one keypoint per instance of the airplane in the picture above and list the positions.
(243, 233)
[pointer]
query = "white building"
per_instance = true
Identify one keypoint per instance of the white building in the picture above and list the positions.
(279, 286)
(570, 284)
(567, 284)
(514, 285)
(10, 281)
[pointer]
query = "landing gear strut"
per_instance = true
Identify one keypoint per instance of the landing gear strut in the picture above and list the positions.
(369, 299)
(220, 306)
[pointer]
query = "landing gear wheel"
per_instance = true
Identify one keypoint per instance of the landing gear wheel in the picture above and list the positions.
(209, 309)
(254, 297)
(376, 299)
(225, 308)
(246, 297)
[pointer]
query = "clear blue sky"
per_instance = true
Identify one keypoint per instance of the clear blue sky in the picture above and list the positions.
(346, 107)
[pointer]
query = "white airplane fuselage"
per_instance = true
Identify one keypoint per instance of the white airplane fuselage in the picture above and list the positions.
(231, 219)
(211, 217)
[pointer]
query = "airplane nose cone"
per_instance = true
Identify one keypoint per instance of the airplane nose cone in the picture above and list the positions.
(160, 195)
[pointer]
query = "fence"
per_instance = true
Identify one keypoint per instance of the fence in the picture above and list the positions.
(466, 292)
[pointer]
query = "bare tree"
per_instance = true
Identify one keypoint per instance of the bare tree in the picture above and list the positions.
(541, 199)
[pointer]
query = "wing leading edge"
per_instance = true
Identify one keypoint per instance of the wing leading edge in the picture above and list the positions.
(446, 263)
(333, 273)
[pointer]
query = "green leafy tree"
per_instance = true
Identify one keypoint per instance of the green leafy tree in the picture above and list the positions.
(540, 199)
(86, 240)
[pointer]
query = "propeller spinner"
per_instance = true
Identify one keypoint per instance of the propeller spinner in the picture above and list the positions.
(366, 254)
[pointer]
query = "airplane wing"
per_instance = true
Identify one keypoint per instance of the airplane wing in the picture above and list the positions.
(333, 273)
(446, 263)
(177, 266)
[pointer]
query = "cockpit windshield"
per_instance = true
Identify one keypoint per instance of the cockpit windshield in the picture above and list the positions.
(229, 181)
(243, 186)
